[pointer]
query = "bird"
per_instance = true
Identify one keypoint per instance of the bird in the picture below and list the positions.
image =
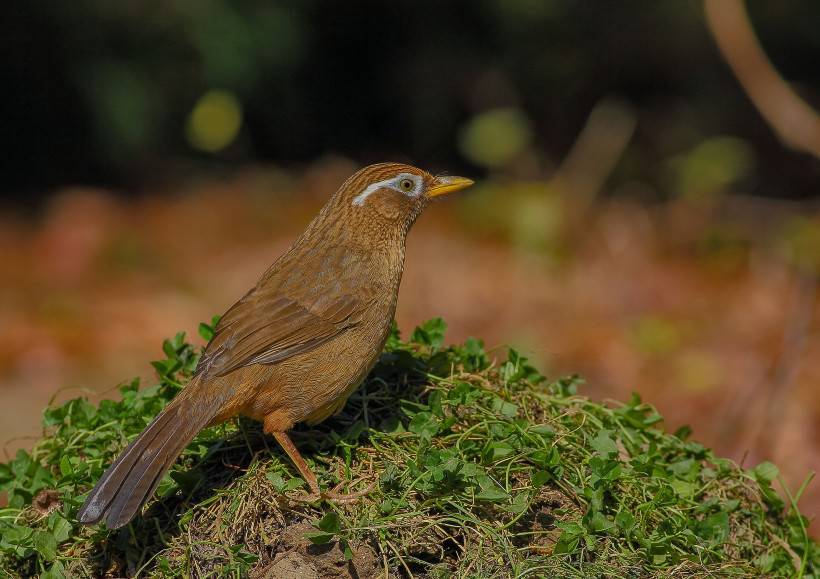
(295, 346)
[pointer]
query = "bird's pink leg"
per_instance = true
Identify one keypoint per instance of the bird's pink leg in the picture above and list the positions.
(315, 493)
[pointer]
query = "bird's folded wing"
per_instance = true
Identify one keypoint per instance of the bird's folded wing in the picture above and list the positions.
(263, 329)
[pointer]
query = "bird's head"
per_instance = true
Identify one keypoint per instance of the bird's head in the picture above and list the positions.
(394, 192)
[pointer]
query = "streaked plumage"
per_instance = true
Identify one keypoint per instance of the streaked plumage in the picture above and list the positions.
(298, 343)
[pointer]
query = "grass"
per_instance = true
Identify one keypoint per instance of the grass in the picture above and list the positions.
(480, 468)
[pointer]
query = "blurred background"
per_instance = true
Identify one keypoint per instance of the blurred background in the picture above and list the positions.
(646, 213)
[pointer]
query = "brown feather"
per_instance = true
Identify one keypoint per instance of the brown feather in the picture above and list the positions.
(132, 478)
(295, 346)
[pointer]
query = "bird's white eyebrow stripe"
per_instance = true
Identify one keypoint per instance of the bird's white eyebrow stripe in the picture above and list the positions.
(373, 187)
(361, 197)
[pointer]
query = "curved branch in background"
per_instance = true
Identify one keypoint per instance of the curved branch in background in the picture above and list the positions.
(794, 121)
(798, 126)
(595, 152)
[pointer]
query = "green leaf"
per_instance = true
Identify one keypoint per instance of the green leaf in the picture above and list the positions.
(519, 504)
(598, 523)
(57, 571)
(282, 485)
(206, 331)
(543, 430)
(765, 472)
(348, 552)
(434, 402)
(187, 480)
(607, 470)
(330, 523)
(169, 349)
(625, 520)
(425, 425)
(276, 480)
(65, 466)
(765, 562)
(60, 527)
(546, 458)
(714, 528)
(683, 488)
(490, 491)
(430, 333)
(505, 408)
(566, 386)
(498, 450)
(464, 393)
(46, 545)
(540, 478)
(491, 494)
(570, 537)
(319, 537)
(603, 443)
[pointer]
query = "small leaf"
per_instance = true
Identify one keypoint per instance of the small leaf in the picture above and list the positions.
(520, 503)
(683, 488)
(65, 466)
(46, 545)
(540, 478)
(714, 527)
(766, 472)
(498, 450)
(430, 333)
(543, 430)
(568, 541)
(169, 349)
(505, 408)
(603, 443)
(765, 562)
(598, 523)
(206, 331)
(318, 537)
(490, 491)
(57, 571)
(276, 480)
(348, 552)
(625, 520)
(330, 523)
(491, 494)
(60, 527)
(434, 402)
(293, 484)
(424, 424)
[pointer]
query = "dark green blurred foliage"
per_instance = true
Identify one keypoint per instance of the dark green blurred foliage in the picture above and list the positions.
(105, 92)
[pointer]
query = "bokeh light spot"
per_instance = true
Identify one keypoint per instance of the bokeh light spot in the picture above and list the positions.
(214, 121)
(493, 138)
(711, 167)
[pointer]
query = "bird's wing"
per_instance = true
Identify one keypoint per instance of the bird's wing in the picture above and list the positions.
(262, 328)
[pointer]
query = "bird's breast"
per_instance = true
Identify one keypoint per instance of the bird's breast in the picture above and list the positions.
(307, 383)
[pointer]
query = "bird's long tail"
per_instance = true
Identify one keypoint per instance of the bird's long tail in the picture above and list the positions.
(131, 480)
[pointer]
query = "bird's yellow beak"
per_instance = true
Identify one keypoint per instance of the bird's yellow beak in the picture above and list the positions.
(444, 185)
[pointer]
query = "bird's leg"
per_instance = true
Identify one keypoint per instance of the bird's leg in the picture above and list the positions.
(285, 442)
(315, 493)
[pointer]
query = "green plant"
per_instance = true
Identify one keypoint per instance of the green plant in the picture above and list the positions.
(479, 469)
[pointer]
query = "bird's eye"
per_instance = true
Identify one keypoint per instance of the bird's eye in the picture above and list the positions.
(407, 185)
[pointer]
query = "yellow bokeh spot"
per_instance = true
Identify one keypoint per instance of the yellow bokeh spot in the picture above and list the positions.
(494, 138)
(699, 371)
(214, 121)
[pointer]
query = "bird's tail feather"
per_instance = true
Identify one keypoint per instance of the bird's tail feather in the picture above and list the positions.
(131, 480)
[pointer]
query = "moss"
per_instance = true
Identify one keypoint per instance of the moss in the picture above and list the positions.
(476, 468)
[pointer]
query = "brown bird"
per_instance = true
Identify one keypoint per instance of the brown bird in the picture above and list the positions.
(296, 345)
